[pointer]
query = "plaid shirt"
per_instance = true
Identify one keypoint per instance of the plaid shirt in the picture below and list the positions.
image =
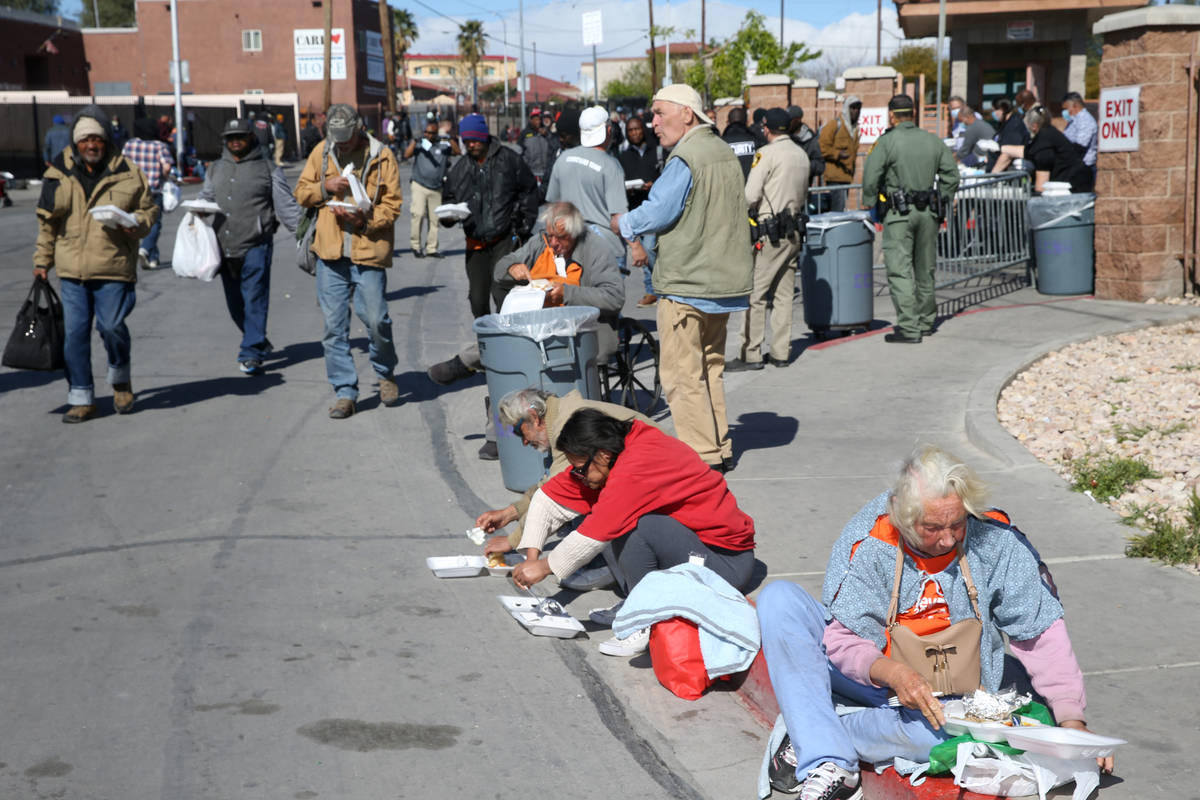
(153, 159)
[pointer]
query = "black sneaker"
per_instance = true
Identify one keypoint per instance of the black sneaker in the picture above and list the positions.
(899, 338)
(418, 254)
(447, 372)
(489, 452)
(738, 365)
(830, 782)
(782, 769)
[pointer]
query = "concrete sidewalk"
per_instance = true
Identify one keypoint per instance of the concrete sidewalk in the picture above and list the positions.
(817, 439)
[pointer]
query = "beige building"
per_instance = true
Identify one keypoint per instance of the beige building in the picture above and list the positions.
(683, 54)
(453, 75)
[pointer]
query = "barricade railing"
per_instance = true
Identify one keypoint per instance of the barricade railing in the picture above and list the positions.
(986, 229)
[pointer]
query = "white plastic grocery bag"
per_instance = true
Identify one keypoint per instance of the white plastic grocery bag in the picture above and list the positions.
(171, 196)
(196, 253)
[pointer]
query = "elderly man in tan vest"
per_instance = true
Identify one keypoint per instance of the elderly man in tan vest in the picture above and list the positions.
(703, 270)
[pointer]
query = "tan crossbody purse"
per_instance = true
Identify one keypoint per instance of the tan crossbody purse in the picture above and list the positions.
(948, 659)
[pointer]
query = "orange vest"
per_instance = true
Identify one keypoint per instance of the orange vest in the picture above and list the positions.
(545, 269)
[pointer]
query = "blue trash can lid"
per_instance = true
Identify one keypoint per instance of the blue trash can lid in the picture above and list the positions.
(541, 324)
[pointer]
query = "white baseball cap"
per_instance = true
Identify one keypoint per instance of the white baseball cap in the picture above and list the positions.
(686, 96)
(593, 126)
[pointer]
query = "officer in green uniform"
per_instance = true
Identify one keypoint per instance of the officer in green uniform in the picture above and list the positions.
(901, 168)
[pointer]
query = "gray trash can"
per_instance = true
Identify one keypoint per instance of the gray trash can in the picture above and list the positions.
(836, 271)
(553, 349)
(1064, 242)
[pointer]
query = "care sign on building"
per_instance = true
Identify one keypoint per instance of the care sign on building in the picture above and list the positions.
(309, 48)
(1119, 127)
(872, 122)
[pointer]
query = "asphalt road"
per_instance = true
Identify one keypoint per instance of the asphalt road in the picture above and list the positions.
(224, 595)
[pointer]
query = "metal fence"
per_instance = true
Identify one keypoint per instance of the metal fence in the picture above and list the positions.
(985, 231)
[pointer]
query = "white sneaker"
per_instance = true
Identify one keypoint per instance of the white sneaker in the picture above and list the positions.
(831, 782)
(143, 259)
(634, 644)
(605, 616)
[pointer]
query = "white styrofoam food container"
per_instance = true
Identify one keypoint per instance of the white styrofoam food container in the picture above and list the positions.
(1063, 742)
(457, 566)
(524, 611)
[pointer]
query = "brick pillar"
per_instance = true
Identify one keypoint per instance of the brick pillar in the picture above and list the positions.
(1140, 225)
(767, 91)
(804, 94)
(724, 105)
(827, 108)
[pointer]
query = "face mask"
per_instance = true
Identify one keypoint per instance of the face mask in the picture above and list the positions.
(1066, 115)
(954, 113)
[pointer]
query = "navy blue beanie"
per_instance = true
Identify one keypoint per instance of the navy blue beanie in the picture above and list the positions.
(473, 127)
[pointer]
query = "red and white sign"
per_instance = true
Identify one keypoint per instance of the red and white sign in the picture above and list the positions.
(872, 122)
(1021, 31)
(1120, 129)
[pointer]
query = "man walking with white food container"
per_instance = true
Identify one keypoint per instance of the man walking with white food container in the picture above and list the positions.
(353, 244)
(97, 263)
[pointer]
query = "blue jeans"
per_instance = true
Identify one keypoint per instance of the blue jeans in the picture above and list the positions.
(109, 303)
(247, 283)
(648, 242)
(792, 624)
(150, 243)
(339, 282)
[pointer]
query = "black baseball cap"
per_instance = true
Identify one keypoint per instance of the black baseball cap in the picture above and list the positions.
(238, 127)
(776, 120)
(900, 102)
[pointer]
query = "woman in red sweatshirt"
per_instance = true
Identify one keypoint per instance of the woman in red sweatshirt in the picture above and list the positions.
(647, 493)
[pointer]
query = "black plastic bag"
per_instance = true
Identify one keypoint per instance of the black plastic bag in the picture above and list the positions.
(37, 340)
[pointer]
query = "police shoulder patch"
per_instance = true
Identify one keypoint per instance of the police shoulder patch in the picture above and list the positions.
(757, 158)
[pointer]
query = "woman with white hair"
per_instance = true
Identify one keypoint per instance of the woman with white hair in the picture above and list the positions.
(922, 588)
(1054, 157)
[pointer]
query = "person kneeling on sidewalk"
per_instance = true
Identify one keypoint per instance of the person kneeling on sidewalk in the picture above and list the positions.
(251, 193)
(537, 417)
(921, 559)
(648, 495)
(354, 250)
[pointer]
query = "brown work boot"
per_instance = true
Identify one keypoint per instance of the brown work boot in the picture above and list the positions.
(343, 408)
(389, 392)
(123, 397)
(79, 414)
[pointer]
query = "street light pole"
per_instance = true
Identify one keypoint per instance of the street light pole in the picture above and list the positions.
(521, 39)
(178, 91)
(940, 40)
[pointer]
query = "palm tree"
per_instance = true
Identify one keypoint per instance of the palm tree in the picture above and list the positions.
(404, 33)
(471, 45)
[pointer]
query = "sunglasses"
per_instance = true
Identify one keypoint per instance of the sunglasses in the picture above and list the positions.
(581, 471)
(518, 428)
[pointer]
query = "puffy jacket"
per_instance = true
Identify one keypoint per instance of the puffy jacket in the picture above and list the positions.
(835, 139)
(501, 194)
(74, 243)
(373, 245)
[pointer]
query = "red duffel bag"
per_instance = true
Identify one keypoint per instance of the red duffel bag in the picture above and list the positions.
(678, 662)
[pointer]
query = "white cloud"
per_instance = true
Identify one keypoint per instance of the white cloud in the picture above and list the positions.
(557, 31)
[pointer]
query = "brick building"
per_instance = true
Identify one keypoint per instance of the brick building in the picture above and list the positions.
(237, 46)
(40, 52)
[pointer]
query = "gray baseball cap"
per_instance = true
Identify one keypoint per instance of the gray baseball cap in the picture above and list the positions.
(341, 122)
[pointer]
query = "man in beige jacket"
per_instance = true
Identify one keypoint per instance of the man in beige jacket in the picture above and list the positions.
(97, 262)
(353, 248)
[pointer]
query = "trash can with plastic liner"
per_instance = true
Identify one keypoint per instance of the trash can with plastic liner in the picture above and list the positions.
(836, 271)
(553, 349)
(1063, 242)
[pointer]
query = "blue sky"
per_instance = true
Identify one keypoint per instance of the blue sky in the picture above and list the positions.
(843, 30)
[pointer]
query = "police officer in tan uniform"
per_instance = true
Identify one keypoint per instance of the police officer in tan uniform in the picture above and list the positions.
(775, 192)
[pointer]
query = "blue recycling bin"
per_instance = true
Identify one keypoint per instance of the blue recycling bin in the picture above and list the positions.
(552, 349)
(836, 271)
(1064, 230)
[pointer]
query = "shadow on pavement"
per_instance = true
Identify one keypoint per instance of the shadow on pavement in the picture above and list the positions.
(295, 354)
(411, 291)
(183, 394)
(27, 379)
(760, 430)
(417, 387)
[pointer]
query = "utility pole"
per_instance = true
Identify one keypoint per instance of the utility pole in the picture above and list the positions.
(389, 55)
(703, 61)
(653, 54)
(780, 24)
(535, 94)
(178, 92)
(328, 4)
(878, 32)
(521, 45)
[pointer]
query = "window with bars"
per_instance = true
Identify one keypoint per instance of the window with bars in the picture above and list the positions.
(252, 41)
